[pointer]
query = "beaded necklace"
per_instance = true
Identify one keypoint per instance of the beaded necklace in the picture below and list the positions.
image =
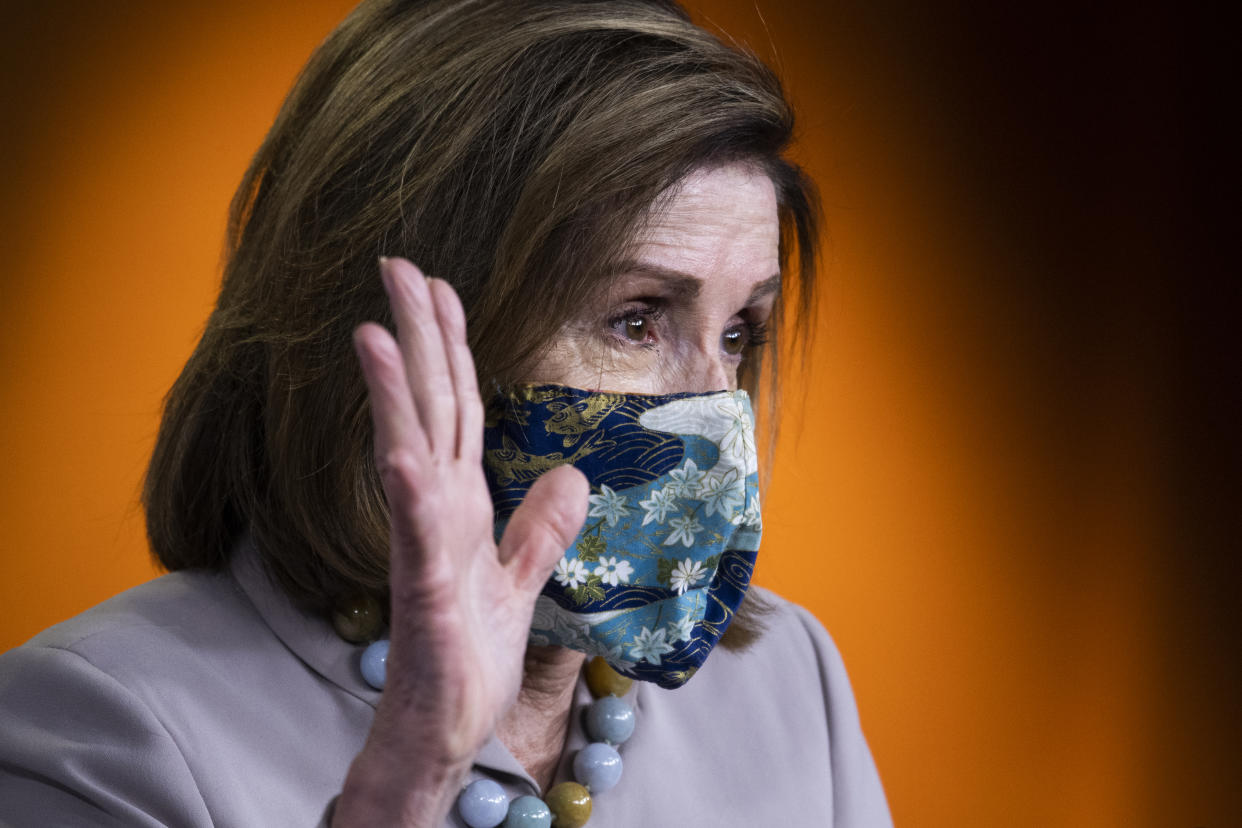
(484, 803)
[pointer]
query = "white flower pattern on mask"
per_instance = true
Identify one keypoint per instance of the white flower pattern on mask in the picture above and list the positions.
(614, 572)
(613, 655)
(740, 436)
(608, 505)
(561, 627)
(658, 505)
(685, 482)
(719, 418)
(570, 573)
(751, 516)
(684, 530)
(723, 494)
(681, 629)
(706, 503)
(686, 574)
(650, 646)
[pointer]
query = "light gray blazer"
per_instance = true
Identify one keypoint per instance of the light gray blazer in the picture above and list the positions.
(208, 699)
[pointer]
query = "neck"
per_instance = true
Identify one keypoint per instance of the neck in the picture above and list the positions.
(535, 727)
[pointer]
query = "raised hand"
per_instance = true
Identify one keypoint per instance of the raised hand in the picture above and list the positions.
(461, 605)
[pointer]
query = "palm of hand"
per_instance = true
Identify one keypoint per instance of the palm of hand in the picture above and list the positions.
(461, 605)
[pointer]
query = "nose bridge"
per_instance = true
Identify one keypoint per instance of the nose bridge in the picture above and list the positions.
(707, 369)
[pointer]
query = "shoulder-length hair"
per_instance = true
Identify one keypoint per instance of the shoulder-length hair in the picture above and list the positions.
(510, 147)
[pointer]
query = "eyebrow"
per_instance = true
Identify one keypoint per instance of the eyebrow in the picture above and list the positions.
(685, 285)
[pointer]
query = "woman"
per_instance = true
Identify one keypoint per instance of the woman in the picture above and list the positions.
(599, 192)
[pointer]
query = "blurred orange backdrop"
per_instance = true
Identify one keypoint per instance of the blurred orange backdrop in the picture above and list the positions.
(968, 484)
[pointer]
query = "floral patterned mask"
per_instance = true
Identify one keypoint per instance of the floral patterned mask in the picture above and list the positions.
(664, 559)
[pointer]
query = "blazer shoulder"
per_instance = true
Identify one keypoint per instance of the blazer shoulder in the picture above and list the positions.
(180, 610)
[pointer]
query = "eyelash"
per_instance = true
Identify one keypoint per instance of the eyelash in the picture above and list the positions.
(647, 311)
(756, 332)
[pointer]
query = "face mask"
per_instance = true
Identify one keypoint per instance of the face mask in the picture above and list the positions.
(672, 530)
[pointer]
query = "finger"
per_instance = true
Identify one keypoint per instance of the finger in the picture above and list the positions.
(461, 368)
(401, 446)
(544, 526)
(422, 347)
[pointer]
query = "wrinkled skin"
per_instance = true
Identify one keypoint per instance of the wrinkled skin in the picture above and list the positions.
(703, 280)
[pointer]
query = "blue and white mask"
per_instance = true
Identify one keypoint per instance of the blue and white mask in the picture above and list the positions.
(672, 530)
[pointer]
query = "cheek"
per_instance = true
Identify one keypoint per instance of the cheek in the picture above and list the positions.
(639, 371)
(588, 362)
(673, 369)
(672, 365)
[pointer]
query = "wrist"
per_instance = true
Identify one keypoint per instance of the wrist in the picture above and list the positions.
(383, 788)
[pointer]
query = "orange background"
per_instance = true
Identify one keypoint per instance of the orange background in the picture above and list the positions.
(994, 492)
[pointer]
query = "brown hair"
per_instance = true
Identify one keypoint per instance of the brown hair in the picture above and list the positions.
(510, 147)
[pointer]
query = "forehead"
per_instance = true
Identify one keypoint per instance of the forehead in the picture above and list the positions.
(722, 218)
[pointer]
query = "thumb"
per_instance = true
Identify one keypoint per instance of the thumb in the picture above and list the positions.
(544, 525)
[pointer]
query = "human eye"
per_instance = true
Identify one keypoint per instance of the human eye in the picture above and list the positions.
(635, 323)
(747, 334)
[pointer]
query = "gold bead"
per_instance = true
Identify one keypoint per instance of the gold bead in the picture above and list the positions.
(605, 681)
(570, 804)
(358, 619)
